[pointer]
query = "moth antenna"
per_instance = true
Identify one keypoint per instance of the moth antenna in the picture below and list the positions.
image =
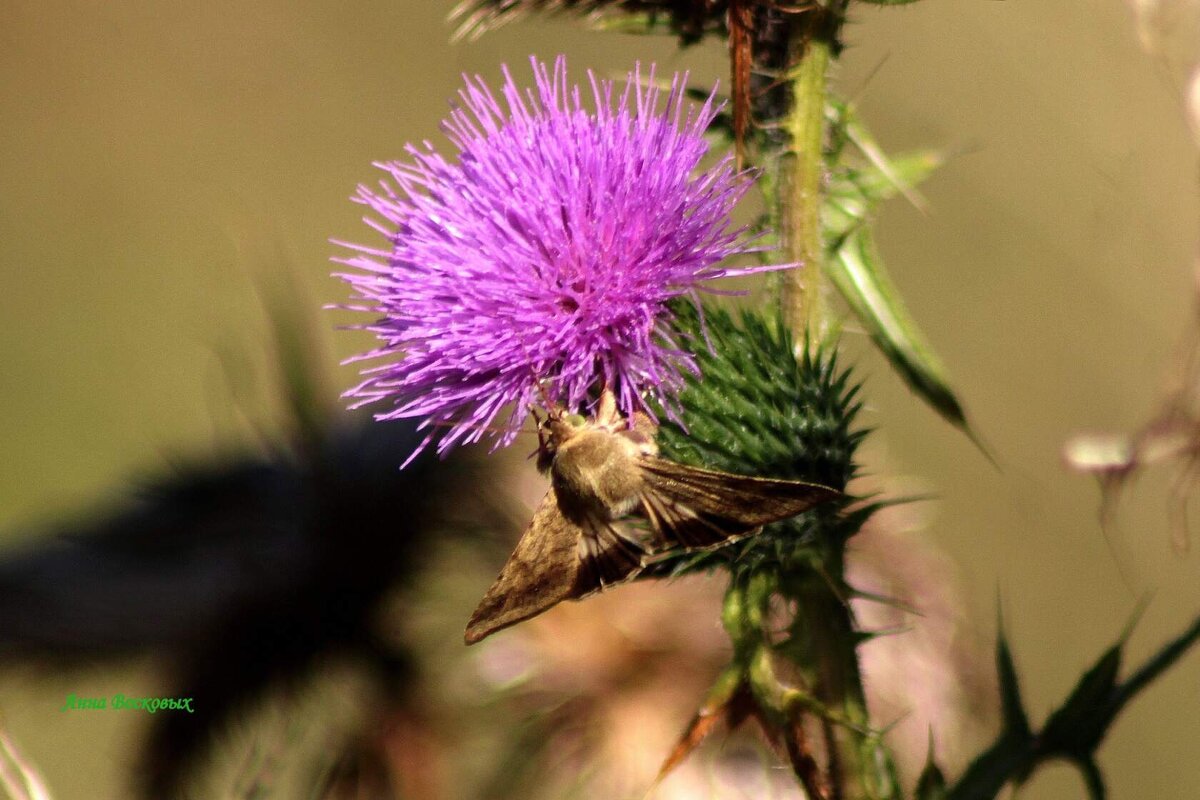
(546, 404)
(537, 426)
(537, 382)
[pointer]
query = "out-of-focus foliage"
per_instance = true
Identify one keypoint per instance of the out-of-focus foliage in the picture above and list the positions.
(246, 574)
(857, 186)
(18, 777)
(1072, 732)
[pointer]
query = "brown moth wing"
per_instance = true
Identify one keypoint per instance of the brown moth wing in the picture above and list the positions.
(556, 559)
(542, 571)
(607, 557)
(693, 507)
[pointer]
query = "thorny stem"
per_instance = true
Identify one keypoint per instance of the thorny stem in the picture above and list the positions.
(856, 765)
(815, 674)
(745, 617)
(856, 768)
(802, 171)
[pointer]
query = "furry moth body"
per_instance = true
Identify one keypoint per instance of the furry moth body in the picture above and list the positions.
(606, 469)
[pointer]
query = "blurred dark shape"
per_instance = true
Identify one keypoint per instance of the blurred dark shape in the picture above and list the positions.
(240, 573)
(245, 573)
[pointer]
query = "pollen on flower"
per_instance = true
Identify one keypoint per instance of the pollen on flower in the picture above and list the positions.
(537, 264)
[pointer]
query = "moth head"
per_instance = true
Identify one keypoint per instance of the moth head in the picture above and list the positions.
(558, 427)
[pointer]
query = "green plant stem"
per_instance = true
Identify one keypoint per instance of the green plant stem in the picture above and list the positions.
(857, 766)
(857, 769)
(800, 194)
(824, 680)
(824, 649)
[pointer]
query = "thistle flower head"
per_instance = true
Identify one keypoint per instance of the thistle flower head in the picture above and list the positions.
(538, 264)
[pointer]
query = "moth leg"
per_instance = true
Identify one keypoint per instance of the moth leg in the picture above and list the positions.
(606, 408)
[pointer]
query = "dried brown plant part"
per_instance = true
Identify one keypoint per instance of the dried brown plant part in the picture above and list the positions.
(730, 702)
(741, 61)
(803, 762)
(758, 34)
(1171, 437)
(762, 63)
(701, 725)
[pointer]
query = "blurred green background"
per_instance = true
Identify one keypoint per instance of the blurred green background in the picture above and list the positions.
(151, 153)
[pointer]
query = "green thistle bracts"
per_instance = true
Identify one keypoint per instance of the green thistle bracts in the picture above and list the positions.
(758, 410)
(761, 410)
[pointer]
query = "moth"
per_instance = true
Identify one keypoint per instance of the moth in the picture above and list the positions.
(607, 469)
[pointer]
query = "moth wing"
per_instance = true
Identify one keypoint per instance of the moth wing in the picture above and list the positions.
(542, 571)
(607, 556)
(694, 508)
(676, 524)
(556, 559)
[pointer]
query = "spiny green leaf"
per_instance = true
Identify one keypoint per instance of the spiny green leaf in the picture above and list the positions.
(881, 176)
(1167, 655)
(854, 193)
(633, 23)
(1073, 732)
(902, 172)
(1008, 759)
(854, 265)
(888, 176)
(858, 273)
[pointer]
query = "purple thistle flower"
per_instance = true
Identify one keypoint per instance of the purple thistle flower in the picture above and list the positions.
(538, 266)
